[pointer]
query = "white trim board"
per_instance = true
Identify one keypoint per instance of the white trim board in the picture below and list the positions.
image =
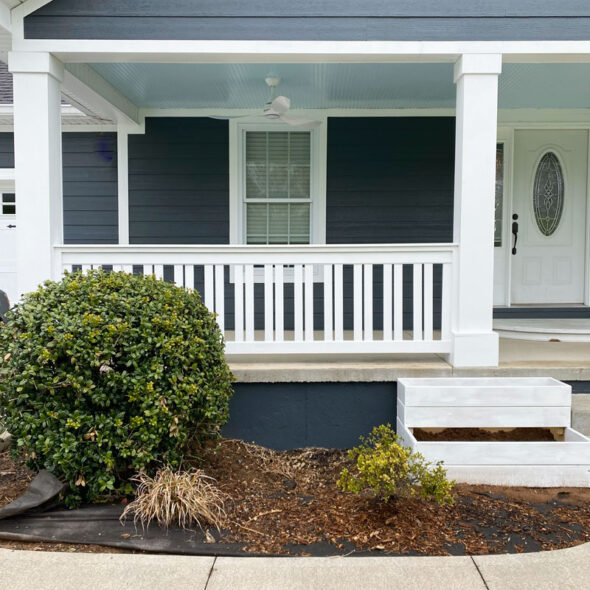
(217, 51)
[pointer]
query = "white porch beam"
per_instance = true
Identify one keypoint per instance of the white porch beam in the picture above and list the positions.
(211, 51)
(474, 341)
(38, 165)
(89, 90)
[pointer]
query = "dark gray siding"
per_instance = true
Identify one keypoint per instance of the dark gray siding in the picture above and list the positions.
(179, 182)
(90, 185)
(6, 150)
(308, 19)
(390, 180)
(90, 188)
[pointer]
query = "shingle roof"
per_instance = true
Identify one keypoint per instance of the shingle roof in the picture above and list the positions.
(5, 84)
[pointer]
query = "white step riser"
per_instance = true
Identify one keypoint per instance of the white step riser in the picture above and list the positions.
(501, 453)
(484, 392)
(484, 417)
(550, 476)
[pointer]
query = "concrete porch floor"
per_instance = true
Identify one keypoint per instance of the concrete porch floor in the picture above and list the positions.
(567, 361)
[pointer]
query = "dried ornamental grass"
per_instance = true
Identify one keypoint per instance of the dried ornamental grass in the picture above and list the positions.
(177, 497)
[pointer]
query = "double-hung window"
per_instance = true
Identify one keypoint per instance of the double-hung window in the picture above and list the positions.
(277, 186)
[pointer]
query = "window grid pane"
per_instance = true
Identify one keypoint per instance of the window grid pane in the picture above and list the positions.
(278, 169)
(8, 201)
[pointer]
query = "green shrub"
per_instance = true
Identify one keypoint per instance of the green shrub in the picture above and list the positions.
(390, 470)
(106, 374)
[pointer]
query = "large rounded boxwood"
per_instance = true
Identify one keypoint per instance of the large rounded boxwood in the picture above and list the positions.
(106, 374)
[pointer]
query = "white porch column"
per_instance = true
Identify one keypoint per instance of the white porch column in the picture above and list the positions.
(474, 342)
(38, 165)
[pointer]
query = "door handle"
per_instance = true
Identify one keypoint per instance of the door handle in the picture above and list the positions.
(514, 232)
(11, 226)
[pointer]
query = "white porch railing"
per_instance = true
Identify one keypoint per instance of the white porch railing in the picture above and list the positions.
(303, 299)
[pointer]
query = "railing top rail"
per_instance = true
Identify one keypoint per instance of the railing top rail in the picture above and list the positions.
(251, 249)
(257, 255)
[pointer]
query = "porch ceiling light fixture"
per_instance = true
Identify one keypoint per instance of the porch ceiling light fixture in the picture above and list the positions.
(276, 109)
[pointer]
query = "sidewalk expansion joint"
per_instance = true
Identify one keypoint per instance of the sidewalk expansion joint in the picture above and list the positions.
(211, 573)
(479, 572)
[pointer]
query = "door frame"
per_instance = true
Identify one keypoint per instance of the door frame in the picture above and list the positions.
(506, 135)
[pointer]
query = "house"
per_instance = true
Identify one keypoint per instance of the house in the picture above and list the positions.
(338, 179)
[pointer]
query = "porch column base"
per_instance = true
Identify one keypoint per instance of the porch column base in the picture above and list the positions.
(474, 350)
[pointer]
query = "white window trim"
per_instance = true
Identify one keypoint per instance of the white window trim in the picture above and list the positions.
(237, 172)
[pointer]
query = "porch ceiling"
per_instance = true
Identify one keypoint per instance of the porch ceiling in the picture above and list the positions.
(350, 86)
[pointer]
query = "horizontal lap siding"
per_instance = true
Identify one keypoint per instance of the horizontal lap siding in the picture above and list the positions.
(390, 180)
(89, 185)
(90, 188)
(307, 20)
(6, 150)
(179, 182)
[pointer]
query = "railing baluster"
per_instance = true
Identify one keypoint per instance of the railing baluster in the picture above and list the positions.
(220, 295)
(398, 302)
(387, 303)
(309, 302)
(178, 275)
(239, 302)
(368, 296)
(117, 267)
(445, 316)
(279, 304)
(338, 303)
(268, 304)
(428, 302)
(357, 302)
(67, 268)
(148, 270)
(328, 303)
(298, 301)
(417, 302)
(128, 268)
(189, 276)
(209, 287)
(86, 268)
(158, 271)
(249, 310)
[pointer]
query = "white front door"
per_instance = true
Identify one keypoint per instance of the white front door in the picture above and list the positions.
(550, 191)
(8, 243)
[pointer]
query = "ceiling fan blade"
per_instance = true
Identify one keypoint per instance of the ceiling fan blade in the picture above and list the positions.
(280, 105)
(228, 117)
(297, 122)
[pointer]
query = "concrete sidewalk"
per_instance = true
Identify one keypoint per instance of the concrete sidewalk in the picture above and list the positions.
(30, 570)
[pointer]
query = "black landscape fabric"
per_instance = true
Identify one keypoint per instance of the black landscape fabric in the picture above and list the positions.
(34, 517)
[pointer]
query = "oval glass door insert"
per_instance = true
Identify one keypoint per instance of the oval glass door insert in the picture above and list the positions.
(548, 194)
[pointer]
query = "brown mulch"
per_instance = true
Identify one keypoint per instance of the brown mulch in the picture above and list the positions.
(288, 503)
(14, 479)
(481, 434)
(289, 500)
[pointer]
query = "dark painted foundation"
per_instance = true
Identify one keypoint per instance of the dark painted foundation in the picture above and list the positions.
(294, 415)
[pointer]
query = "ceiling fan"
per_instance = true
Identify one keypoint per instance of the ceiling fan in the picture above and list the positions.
(276, 109)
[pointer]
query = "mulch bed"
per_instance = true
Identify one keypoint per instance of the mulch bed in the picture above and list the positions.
(480, 434)
(288, 503)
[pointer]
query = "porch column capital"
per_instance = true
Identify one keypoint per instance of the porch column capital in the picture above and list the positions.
(22, 62)
(478, 63)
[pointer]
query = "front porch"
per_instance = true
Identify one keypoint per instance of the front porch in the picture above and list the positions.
(410, 274)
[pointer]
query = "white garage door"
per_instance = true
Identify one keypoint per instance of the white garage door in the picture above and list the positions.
(8, 243)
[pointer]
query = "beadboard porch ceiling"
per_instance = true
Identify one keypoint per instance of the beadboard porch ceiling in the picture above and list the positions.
(344, 85)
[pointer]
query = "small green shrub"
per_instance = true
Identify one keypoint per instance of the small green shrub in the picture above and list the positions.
(391, 470)
(106, 374)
